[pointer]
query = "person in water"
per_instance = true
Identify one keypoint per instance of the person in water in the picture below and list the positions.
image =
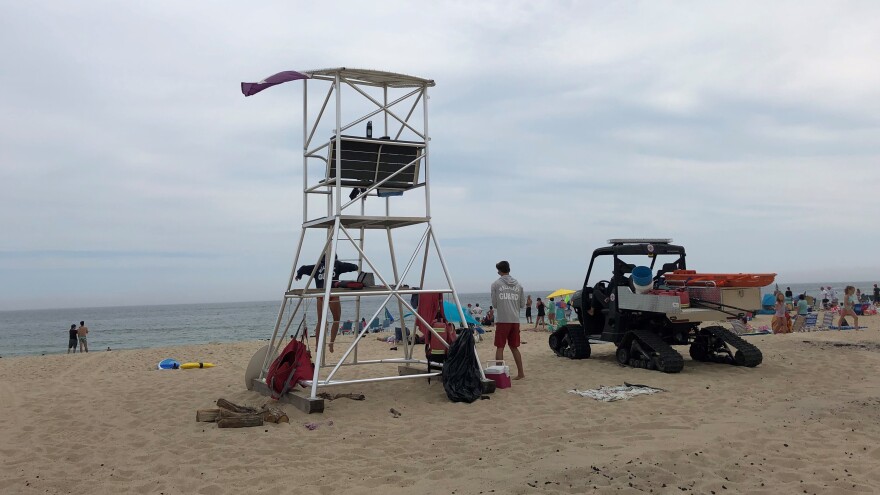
(339, 267)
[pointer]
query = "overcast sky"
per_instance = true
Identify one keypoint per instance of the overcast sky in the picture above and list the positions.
(133, 171)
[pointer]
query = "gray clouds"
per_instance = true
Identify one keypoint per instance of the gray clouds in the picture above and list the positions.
(746, 131)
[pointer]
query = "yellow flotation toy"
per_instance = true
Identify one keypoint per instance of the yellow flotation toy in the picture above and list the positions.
(190, 366)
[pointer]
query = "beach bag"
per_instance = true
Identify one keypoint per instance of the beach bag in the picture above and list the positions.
(461, 370)
(292, 365)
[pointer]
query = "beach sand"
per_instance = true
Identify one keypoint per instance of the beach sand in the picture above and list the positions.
(805, 421)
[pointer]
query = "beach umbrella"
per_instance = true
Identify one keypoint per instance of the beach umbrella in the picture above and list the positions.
(560, 293)
(451, 312)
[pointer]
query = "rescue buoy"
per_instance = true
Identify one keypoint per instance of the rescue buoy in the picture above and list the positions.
(190, 366)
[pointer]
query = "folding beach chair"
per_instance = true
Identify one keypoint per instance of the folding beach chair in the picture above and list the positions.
(478, 333)
(827, 320)
(810, 322)
(347, 327)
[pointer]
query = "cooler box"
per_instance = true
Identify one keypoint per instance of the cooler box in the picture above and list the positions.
(499, 373)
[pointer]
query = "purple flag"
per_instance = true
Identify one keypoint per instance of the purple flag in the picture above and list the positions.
(248, 89)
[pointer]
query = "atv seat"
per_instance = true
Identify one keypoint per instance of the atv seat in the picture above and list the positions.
(621, 270)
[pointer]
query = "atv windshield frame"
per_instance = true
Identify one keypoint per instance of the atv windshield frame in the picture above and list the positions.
(653, 250)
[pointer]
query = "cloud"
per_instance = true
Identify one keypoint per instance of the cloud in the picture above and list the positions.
(129, 159)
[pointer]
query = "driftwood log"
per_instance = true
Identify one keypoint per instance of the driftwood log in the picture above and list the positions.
(268, 413)
(273, 414)
(229, 406)
(240, 422)
(207, 415)
(225, 413)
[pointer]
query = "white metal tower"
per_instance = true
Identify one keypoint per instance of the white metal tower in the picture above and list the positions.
(350, 170)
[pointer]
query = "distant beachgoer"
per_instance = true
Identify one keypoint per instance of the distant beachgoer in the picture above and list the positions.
(551, 312)
(507, 296)
(832, 294)
(82, 333)
(849, 301)
(478, 312)
(803, 309)
(339, 268)
(779, 323)
(72, 339)
(876, 294)
(788, 293)
(539, 320)
(470, 309)
(529, 307)
(490, 317)
(560, 310)
(823, 293)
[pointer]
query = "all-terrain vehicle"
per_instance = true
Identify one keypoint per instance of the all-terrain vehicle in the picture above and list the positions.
(645, 320)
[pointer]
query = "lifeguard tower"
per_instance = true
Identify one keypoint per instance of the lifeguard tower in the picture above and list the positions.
(355, 180)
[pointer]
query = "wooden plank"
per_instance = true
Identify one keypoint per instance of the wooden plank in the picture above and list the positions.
(304, 404)
(409, 370)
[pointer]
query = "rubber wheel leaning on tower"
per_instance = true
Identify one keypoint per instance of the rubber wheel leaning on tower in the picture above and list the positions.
(339, 268)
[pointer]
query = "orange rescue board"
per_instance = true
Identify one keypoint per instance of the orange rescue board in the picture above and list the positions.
(682, 278)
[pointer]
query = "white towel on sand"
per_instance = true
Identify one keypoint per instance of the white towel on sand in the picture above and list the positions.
(617, 392)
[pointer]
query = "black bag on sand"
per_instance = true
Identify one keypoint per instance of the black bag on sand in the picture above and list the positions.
(461, 370)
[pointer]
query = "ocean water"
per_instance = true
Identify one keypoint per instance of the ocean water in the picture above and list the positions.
(31, 332)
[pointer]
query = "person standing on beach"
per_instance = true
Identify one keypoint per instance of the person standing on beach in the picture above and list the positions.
(539, 320)
(849, 301)
(529, 307)
(779, 323)
(507, 296)
(81, 334)
(802, 310)
(335, 307)
(477, 312)
(551, 311)
(72, 339)
(876, 294)
(823, 293)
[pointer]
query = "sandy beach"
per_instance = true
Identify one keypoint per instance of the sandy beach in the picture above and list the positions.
(805, 421)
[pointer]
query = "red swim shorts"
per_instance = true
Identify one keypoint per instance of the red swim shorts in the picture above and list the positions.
(507, 333)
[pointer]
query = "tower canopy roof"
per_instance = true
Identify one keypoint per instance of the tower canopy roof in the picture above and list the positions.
(362, 76)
